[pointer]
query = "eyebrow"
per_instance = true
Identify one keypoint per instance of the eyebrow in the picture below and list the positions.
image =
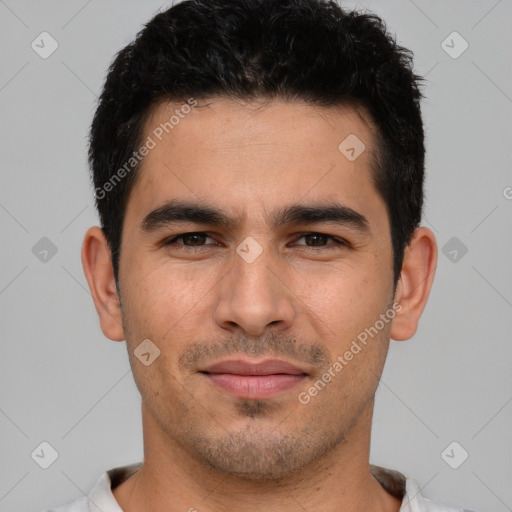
(177, 211)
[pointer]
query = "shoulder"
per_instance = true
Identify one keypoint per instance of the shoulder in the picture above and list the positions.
(100, 498)
(78, 505)
(413, 501)
(408, 490)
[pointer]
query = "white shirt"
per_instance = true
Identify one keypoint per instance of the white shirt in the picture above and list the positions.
(101, 499)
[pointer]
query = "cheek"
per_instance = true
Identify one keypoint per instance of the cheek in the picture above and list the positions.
(345, 299)
(166, 288)
(171, 306)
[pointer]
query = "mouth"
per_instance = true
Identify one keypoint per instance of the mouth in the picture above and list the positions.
(245, 379)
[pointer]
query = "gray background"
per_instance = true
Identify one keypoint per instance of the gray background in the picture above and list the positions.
(62, 382)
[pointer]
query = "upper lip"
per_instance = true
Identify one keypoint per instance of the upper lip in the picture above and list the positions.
(266, 367)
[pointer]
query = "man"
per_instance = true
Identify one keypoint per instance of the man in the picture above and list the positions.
(258, 169)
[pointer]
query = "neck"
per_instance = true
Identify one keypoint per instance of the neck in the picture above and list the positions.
(172, 480)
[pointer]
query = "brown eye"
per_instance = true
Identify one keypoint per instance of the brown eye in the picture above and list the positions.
(193, 238)
(189, 241)
(321, 240)
(316, 239)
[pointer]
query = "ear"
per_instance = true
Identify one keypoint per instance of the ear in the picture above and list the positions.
(414, 284)
(99, 273)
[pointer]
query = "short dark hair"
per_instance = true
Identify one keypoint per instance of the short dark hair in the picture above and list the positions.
(312, 51)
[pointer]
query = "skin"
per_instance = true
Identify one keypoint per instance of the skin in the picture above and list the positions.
(204, 448)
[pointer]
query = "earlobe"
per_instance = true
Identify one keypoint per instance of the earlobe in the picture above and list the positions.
(99, 273)
(415, 283)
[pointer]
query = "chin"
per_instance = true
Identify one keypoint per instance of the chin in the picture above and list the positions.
(258, 454)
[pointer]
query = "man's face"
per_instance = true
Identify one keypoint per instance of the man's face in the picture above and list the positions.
(249, 315)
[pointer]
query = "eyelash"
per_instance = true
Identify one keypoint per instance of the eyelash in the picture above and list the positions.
(339, 243)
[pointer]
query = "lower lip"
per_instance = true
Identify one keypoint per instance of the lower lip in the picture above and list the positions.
(255, 386)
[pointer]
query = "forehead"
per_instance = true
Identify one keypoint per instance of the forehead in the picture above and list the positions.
(240, 154)
(225, 124)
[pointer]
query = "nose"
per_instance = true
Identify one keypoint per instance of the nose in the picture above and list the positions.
(252, 298)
